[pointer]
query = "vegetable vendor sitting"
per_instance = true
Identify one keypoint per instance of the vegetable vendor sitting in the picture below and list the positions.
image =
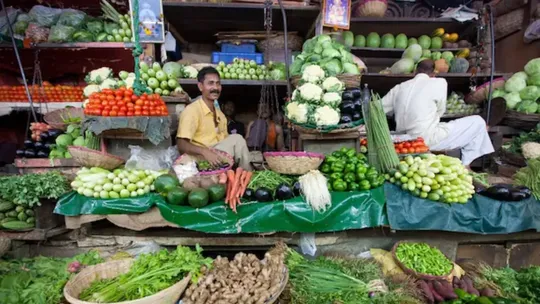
(203, 125)
(417, 106)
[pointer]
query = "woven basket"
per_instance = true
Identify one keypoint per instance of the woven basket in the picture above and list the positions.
(55, 119)
(514, 159)
(112, 269)
(414, 273)
(294, 43)
(293, 163)
(200, 66)
(283, 284)
(186, 158)
(94, 158)
(482, 91)
(5, 244)
(520, 120)
(304, 130)
(371, 8)
(350, 81)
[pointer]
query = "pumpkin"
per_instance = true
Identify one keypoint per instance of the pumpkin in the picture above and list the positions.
(459, 65)
(441, 66)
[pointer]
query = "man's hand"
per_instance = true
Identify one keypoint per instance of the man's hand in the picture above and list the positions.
(213, 158)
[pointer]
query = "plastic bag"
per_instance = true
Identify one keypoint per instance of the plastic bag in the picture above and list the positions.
(24, 17)
(44, 16)
(95, 26)
(37, 33)
(532, 32)
(156, 160)
(61, 33)
(20, 27)
(307, 244)
(11, 15)
(72, 17)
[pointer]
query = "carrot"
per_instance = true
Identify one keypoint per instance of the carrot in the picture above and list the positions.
(230, 182)
(235, 185)
(247, 179)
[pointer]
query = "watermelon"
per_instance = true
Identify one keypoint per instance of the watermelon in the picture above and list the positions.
(436, 43)
(373, 40)
(165, 183)
(177, 196)
(388, 41)
(412, 41)
(425, 42)
(360, 41)
(401, 41)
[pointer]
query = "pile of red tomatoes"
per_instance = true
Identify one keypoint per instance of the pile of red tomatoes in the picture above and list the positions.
(124, 102)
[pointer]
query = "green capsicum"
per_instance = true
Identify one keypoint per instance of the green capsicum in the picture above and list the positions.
(353, 160)
(372, 172)
(329, 185)
(372, 179)
(353, 186)
(349, 167)
(339, 185)
(350, 153)
(360, 177)
(365, 185)
(349, 177)
(325, 168)
(361, 156)
(336, 176)
(337, 166)
(361, 168)
(330, 159)
(344, 150)
(337, 154)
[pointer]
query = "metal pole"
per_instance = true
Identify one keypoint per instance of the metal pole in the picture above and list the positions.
(492, 38)
(284, 16)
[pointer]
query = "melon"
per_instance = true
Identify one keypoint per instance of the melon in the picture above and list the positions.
(373, 40)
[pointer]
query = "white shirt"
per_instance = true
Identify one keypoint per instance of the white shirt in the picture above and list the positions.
(417, 106)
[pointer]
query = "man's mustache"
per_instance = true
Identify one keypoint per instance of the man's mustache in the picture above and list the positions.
(215, 91)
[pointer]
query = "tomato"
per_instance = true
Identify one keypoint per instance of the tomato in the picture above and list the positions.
(115, 108)
(113, 113)
(129, 105)
(153, 113)
(145, 108)
(117, 98)
(129, 113)
(105, 113)
(110, 97)
(145, 113)
(137, 113)
(137, 107)
(139, 102)
(107, 108)
(121, 113)
(134, 97)
(128, 92)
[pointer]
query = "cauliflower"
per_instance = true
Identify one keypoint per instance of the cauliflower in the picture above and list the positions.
(294, 94)
(91, 89)
(190, 72)
(313, 74)
(332, 84)
(297, 112)
(98, 76)
(108, 83)
(326, 116)
(531, 150)
(310, 92)
(129, 81)
(332, 99)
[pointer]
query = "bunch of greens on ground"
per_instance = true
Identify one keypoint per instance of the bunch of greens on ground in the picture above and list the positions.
(28, 189)
(523, 285)
(39, 280)
(530, 177)
(148, 275)
(339, 280)
(514, 145)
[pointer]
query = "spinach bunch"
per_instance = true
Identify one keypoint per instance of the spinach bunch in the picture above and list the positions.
(28, 189)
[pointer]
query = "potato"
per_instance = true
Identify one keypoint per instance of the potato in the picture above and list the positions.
(191, 183)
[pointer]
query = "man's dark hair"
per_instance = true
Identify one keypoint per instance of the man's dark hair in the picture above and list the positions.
(426, 66)
(206, 71)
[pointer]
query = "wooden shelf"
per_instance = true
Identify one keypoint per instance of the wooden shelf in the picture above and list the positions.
(389, 53)
(232, 82)
(33, 235)
(77, 45)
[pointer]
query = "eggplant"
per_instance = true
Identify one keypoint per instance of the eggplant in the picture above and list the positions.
(516, 195)
(28, 144)
(347, 95)
(347, 107)
(53, 134)
(296, 189)
(42, 154)
(47, 146)
(19, 153)
(263, 194)
(497, 192)
(29, 153)
(284, 191)
(357, 116)
(38, 145)
(523, 190)
(249, 194)
(44, 136)
(345, 119)
(356, 92)
(358, 104)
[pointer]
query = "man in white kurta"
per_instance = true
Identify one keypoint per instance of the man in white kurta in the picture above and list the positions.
(418, 105)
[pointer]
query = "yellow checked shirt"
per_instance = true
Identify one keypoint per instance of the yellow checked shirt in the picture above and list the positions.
(197, 124)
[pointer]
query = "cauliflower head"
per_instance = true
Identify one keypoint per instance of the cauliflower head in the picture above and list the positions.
(326, 116)
(190, 72)
(98, 76)
(91, 89)
(531, 150)
(332, 99)
(310, 92)
(297, 112)
(313, 74)
(108, 84)
(332, 84)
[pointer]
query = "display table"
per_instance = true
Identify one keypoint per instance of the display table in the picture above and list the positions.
(350, 210)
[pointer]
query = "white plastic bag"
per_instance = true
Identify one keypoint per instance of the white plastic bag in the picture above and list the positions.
(307, 244)
(532, 32)
(157, 160)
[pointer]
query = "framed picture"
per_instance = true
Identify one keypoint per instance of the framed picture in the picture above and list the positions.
(337, 13)
(151, 28)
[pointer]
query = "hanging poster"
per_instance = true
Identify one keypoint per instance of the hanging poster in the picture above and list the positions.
(150, 28)
(337, 13)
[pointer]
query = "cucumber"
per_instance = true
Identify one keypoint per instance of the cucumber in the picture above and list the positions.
(8, 219)
(6, 206)
(2, 216)
(17, 225)
(31, 220)
(22, 216)
(12, 213)
(19, 208)
(29, 212)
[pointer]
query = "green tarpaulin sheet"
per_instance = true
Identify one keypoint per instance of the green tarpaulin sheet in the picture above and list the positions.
(479, 215)
(350, 210)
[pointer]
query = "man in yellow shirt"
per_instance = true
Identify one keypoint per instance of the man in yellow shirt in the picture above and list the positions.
(203, 125)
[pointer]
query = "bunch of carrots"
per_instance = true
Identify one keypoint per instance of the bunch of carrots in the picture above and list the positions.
(237, 182)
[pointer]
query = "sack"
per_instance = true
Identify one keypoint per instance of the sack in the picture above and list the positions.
(44, 16)
(12, 15)
(37, 33)
(72, 17)
(532, 32)
(61, 33)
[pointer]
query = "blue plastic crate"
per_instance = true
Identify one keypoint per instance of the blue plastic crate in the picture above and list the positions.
(229, 57)
(238, 48)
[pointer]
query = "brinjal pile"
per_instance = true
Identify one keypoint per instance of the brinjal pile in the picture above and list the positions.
(505, 192)
(39, 148)
(351, 106)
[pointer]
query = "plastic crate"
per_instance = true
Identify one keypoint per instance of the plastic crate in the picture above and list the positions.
(238, 48)
(229, 57)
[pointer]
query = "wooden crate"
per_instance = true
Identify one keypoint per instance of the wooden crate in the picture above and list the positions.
(45, 216)
(68, 167)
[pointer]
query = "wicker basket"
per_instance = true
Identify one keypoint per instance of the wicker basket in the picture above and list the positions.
(520, 120)
(55, 119)
(293, 163)
(414, 273)
(350, 81)
(514, 159)
(294, 43)
(371, 8)
(94, 158)
(5, 244)
(186, 158)
(482, 91)
(112, 269)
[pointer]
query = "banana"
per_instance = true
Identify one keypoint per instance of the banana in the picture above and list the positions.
(438, 32)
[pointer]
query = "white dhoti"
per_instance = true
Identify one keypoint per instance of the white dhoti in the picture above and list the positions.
(469, 134)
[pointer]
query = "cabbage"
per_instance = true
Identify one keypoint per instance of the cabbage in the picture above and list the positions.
(498, 93)
(332, 67)
(172, 69)
(512, 99)
(515, 84)
(350, 68)
(530, 92)
(403, 66)
(277, 74)
(527, 106)
(532, 67)
(534, 80)
(331, 53)
(413, 52)
(521, 75)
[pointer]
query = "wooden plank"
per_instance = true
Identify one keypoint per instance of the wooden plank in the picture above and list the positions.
(33, 235)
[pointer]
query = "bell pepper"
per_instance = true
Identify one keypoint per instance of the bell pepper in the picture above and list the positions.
(373, 180)
(344, 150)
(353, 160)
(365, 185)
(337, 166)
(350, 167)
(361, 168)
(350, 153)
(330, 159)
(339, 185)
(329, 185)
(336, 175)
(361, 156)
(372, 172)
(349, 177)
(325, 168)
(360, 177)
(337, 154)
(353, 186)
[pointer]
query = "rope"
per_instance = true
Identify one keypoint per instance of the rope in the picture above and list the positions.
(138, 87)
